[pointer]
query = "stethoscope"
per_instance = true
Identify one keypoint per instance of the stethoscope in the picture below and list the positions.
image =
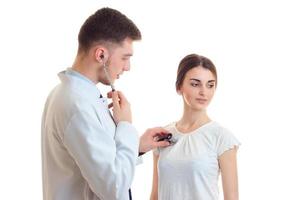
(107, 74)
(110, 83)
(167, 137)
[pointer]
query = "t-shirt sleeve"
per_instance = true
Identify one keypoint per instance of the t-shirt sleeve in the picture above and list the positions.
(226, 141)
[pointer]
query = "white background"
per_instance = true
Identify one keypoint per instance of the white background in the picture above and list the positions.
(255, 46)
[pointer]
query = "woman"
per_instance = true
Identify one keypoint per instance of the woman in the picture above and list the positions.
(189, 169)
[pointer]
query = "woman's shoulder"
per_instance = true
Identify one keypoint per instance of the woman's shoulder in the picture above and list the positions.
(215, 132)
(218, 129)
(223, 139)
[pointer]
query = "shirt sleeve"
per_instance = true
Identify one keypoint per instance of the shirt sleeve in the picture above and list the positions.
(226, 141)
(105, 162)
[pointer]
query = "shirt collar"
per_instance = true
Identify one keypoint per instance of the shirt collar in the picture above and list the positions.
(81, 81)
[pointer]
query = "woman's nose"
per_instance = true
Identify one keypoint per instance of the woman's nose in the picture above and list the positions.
(201, 90)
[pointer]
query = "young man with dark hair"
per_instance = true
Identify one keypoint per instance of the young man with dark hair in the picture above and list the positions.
(88, 153)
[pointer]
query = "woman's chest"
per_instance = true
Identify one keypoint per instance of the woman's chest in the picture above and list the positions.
(189, 157)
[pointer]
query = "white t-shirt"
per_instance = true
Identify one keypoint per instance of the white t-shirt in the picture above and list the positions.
(189, 169)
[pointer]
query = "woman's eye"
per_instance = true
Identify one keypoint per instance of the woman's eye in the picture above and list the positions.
(194, 84)
(211, 85)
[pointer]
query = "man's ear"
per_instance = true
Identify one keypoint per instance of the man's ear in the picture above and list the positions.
(101, 54)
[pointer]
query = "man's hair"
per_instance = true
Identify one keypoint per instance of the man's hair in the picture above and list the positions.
(106, 25)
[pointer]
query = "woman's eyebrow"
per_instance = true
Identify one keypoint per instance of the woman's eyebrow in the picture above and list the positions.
(194, 79)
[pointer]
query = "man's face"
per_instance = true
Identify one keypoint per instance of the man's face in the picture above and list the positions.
(119, 59)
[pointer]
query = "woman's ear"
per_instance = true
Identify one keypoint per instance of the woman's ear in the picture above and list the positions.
(179, 92)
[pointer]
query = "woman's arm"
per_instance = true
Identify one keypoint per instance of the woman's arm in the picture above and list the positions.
(154, 192)
(228, 166)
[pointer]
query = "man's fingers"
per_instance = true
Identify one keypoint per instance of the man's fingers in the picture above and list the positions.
(110, 105)
(162, 144)
(122, 98)
(158, 130)
(115, 99)
(109, 94)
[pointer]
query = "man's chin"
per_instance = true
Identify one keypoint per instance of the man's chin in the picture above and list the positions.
(105, 82)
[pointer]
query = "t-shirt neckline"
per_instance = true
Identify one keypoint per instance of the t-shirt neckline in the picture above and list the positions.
(193, 131)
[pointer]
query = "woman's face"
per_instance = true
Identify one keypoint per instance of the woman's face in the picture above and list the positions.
(198, 88)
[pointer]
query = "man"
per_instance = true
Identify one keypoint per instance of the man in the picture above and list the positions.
(88, 153)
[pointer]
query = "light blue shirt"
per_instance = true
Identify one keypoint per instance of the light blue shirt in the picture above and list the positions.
(85, 155)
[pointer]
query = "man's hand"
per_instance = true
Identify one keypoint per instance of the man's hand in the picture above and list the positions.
(148, 140)
(121, 107)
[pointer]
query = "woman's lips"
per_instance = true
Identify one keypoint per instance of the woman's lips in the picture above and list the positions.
(201, 100)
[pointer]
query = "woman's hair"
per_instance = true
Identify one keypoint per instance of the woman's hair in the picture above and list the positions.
(191, 61)
(107, 25)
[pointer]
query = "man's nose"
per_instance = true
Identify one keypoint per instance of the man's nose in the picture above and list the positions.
(126, 67)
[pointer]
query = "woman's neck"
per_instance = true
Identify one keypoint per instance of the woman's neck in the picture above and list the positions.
(192, 119)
